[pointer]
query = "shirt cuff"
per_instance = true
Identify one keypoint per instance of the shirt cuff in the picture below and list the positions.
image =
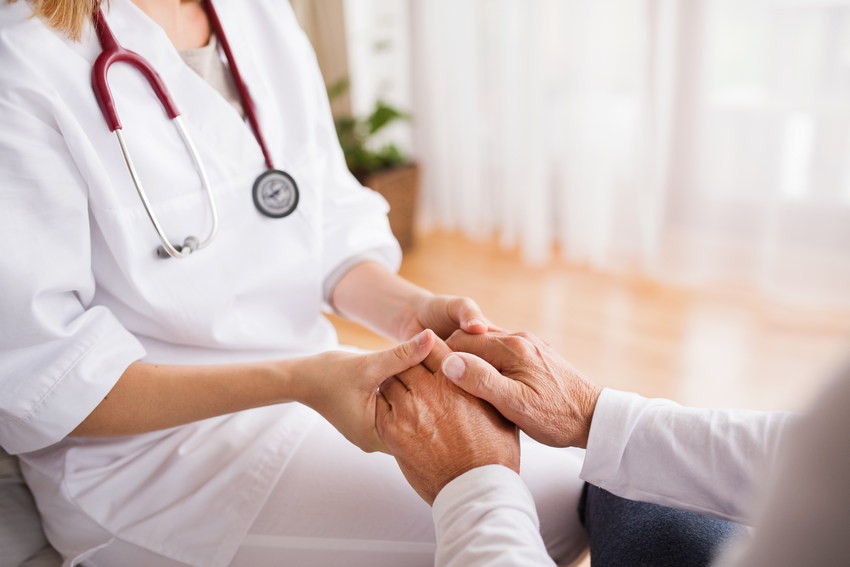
(487, 517)
(488, 480)
(614, 419)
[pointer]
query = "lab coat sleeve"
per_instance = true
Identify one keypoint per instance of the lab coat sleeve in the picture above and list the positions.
(354, 217)
(706, 461)
(59, 356)
(486, 516)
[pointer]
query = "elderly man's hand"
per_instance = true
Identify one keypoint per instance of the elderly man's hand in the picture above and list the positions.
(437, 432)
(528, 382)
(343, 386)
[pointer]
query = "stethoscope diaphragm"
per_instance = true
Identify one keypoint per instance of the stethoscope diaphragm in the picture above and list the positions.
(275, 193)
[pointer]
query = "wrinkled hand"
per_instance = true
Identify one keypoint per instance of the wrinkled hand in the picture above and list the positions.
(444, 314)
(437, 432)
(528, 382)
(343, 386)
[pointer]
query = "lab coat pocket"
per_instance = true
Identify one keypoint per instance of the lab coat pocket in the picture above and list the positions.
(130, 231)
(169, 292)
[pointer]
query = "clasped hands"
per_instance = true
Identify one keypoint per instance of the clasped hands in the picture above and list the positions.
(463, 406)
(443, 408)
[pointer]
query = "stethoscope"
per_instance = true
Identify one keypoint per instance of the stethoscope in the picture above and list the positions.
(275, 192)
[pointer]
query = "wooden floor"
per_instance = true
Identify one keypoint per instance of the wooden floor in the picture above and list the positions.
(706, 348)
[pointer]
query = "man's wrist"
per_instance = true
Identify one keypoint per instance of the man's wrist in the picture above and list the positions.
(587, 404)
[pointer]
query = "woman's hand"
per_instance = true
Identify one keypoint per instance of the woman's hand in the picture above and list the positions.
(444, 314)
(343, 386)
(379, 299)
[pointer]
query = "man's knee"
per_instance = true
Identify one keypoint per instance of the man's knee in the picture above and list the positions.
(625, 532)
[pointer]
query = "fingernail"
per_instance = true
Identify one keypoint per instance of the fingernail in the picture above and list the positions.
(473, 322)
(422, 338)
(453, 367)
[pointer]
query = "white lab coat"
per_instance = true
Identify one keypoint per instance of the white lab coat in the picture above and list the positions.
(652, 450)
(83, 294)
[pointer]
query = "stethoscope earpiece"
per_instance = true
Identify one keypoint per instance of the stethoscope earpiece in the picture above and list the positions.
(190, 244)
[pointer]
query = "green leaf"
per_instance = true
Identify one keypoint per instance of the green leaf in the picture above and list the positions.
(390, 156)
(355, 134)
(382, 116)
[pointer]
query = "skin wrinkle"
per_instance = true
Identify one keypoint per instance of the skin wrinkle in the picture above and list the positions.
(530, 384)
(551, 400)
(433, 416)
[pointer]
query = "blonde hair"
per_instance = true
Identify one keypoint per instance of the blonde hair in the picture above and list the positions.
(66, 16)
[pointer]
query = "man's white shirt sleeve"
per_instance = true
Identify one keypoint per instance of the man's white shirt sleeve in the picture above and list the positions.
(653, 450)
(487, 517)
(706, 461)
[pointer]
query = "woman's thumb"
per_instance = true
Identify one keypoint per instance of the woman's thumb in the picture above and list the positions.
(477, 377)
(404, 355)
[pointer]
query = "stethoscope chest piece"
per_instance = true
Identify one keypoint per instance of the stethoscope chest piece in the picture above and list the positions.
(275, 193)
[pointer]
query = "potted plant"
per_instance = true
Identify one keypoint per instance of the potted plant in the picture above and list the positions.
(382, 168)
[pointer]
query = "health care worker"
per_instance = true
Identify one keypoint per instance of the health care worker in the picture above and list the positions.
(164, 268)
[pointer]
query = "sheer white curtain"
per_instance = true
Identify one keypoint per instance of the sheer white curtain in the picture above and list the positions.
(693, 140)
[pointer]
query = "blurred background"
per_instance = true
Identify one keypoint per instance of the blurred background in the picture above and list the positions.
(659, 188)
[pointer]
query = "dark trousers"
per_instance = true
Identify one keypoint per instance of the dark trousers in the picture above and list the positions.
(625, 533)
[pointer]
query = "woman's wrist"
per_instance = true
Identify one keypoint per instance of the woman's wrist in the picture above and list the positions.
(297, 378)
(408, 314)
(381, 300)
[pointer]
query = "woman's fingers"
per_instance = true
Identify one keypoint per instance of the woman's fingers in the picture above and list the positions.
(491, 347)
(429, 366)
(392, 389)
(438, 352)
(401, 357)
(468, 315)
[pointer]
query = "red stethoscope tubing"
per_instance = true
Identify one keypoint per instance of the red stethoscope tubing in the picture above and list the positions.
(244, 95)
(113, 52)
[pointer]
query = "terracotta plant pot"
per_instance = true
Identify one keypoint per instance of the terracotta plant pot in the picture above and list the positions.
(400, 187)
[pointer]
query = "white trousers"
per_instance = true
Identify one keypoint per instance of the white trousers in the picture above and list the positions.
(336, 505)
